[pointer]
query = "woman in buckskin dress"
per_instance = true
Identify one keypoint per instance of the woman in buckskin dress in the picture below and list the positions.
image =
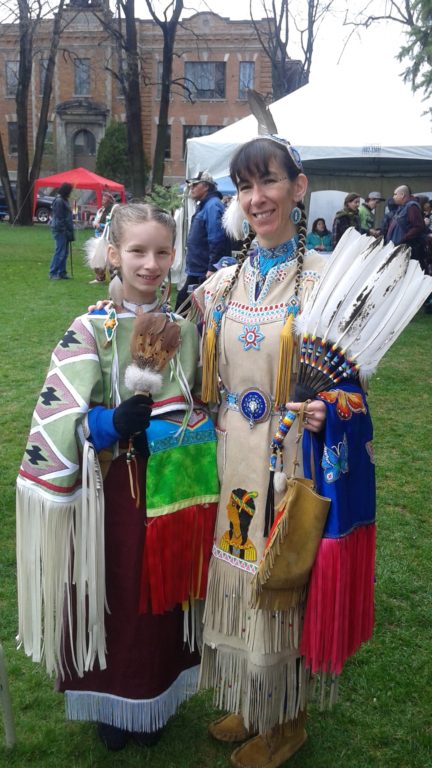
(261, 662)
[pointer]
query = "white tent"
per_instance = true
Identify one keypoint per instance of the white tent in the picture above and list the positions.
(346, 142)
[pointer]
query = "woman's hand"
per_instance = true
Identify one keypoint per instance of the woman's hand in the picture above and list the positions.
(314, 414)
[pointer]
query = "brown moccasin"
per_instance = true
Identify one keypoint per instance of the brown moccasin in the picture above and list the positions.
(229, 728)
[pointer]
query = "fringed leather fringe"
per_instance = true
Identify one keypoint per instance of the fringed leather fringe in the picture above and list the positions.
(142, 715)
(176, 556)
(209, 387)
(60, 544)
(227, 612)
(286, 348)
(264, 695)
(340, 605)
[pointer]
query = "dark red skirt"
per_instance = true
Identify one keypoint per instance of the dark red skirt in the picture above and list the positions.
(150, 669)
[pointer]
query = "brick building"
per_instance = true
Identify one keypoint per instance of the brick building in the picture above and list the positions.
(217, 57)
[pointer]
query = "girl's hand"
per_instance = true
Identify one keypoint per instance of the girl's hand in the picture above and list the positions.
(314, 414)
(99, 305)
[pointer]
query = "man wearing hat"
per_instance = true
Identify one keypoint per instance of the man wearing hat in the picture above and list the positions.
(207, 241)
(367, 213)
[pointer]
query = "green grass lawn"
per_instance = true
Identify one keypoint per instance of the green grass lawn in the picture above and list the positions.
(384, 718)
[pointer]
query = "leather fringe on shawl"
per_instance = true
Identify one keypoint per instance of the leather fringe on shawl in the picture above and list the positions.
(340, 606)
(175, 561)
(143, 716)
(60, 546)
(264, 694)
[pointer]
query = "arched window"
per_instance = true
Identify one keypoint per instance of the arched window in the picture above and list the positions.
(84, 148)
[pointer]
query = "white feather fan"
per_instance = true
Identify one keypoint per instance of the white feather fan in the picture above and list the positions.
(367, 295)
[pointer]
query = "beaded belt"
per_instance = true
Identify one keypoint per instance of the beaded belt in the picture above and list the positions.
(254, 405)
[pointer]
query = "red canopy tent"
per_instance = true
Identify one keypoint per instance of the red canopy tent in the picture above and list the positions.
(81, 178)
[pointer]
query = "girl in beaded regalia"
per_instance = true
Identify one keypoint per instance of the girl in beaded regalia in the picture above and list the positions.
(260, 662)
(116, 503)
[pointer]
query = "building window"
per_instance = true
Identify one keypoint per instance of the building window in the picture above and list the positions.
(246, 77)
(43, 64)
(192, 131)
(82, 77)
(205, 79)
(13, 138)
(11, 77)
(84, 143)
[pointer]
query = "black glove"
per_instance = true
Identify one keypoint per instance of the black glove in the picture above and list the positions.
(133, 416)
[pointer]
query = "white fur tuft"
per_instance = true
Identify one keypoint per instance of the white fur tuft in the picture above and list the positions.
(232, 220)
(115, 291)
(280, 482)
(96, 252)
(142, 379)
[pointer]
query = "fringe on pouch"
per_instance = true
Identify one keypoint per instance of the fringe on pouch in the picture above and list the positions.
(264, 695)
(60, 547)
(339, 613)
(141, 715)
(176, 555)
(227, 613)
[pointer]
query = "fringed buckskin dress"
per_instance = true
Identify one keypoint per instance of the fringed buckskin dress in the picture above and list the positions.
(260, 662)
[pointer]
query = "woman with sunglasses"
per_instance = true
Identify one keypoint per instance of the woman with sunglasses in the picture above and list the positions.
(261, 661)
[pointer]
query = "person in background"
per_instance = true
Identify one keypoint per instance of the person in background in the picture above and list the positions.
(63, 232)
(348, 216)
(207, 241)
(389, 211)
(319, 238)
(367, 214)
(116, 504)
(407, 224)
(99, 222)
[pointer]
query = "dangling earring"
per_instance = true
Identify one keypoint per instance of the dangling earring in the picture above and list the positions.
(295, 215)
(245, 228)
(166, 293)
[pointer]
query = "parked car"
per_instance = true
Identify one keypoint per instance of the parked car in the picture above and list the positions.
(42, 210)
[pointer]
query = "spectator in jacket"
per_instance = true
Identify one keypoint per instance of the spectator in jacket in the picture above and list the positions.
(207, 242)
(407, 224)
(63, 232)
(319, 238)
(347, 217)
(367, 214)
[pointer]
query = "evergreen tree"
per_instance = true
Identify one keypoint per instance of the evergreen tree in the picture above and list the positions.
(112, 156)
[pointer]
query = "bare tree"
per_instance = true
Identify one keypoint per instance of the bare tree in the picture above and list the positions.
(275, 37)
(29, 17)
(168, 27)
(129, 72)
(416, 17)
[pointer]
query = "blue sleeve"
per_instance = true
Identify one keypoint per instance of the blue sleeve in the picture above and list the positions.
(343, 458)
(102, 431)
(217, 239)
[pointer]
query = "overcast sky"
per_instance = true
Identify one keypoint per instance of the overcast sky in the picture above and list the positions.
(367, 61)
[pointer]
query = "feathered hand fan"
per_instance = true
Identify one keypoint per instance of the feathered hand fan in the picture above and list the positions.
(155, 340)
(367, 295)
